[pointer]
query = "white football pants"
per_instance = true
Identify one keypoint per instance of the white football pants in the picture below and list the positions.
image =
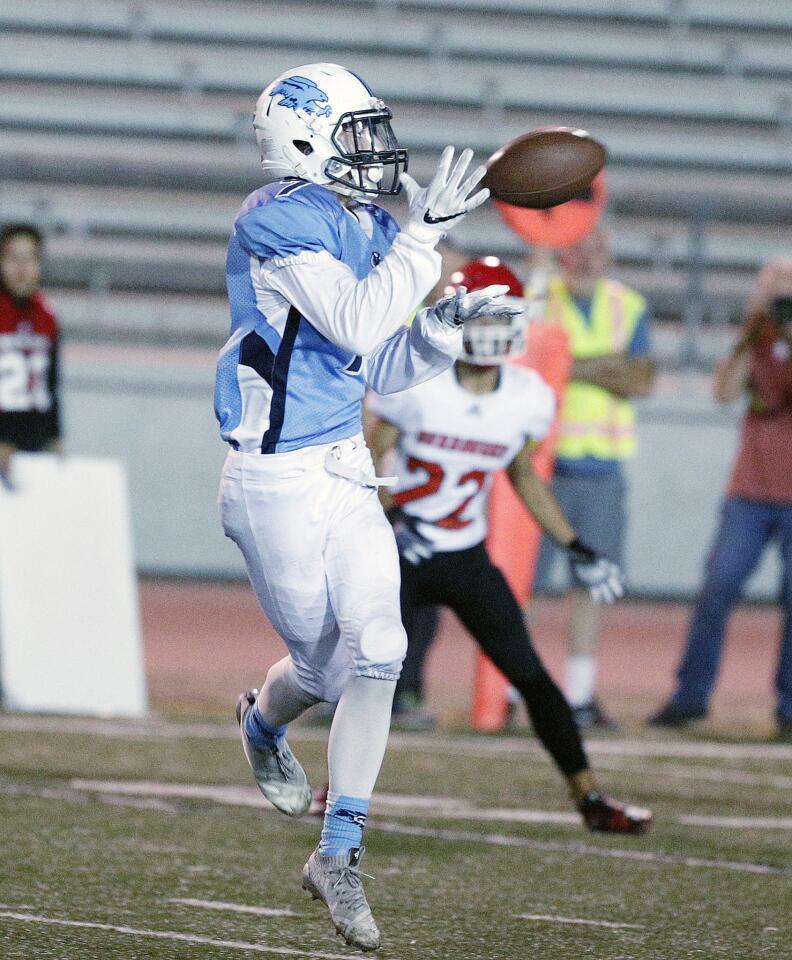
(321, 558)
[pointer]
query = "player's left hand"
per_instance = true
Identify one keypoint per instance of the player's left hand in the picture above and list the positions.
(412, 545)
(604, 579)
(462, 306)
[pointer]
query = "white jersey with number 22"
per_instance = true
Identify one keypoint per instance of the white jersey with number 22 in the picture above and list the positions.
(453, 441)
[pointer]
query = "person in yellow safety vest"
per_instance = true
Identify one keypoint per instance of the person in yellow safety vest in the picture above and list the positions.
(608, 325)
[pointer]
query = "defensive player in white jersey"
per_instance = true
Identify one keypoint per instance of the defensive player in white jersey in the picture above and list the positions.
(451, 434)
(320, 282)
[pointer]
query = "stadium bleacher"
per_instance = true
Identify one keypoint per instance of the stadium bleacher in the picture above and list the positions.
(126, 130)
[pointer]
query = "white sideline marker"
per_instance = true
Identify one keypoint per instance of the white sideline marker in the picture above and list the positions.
(393, 804)
(607, 924)
(737, 823)
(170, 935)
(492, 839)
(469, 746)
(232, 907)
(576, 849)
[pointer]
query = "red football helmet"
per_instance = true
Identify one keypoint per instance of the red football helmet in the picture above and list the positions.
(487, 341)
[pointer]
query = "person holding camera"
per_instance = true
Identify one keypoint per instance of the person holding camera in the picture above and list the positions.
(758, 504)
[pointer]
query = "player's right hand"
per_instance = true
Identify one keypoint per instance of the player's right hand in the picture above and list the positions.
(435, 209)
(462, 306)
(412, 545)
(604, 579)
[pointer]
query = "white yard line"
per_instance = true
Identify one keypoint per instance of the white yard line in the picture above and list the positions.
(232, 907)
(737, 823)
(682, 771)
(232, 796)
(250, 797)
(169, 935)
(551, 918)
(394, 804)
(466, 744)
(576, 849)
(443, 808)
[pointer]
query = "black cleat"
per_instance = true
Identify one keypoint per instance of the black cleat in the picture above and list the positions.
(606, 815)
(672, 715)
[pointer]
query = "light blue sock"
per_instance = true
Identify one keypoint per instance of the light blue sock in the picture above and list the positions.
(259, 732)
(344, 820)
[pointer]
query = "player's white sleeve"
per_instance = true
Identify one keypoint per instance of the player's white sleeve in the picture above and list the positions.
(356, 314)
(413, 354)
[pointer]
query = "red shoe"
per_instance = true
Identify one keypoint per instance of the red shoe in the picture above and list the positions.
(606, 815)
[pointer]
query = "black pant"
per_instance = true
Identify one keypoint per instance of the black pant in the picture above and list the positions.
(468, 583)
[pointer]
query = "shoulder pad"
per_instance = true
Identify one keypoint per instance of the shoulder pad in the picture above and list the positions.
(289, 217)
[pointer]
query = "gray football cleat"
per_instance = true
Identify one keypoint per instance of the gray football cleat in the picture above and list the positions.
(337, 881)
(278, 774)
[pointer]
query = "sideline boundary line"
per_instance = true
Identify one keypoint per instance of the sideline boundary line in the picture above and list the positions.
(232, 907)
(582, 849)
(455, 835)
(465, 744)
(170, 935)
(394, 804)
(607, 924)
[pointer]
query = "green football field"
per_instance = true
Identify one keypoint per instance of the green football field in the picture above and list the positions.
(148, 840)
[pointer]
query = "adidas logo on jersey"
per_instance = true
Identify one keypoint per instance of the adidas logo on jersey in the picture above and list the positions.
(474, 411)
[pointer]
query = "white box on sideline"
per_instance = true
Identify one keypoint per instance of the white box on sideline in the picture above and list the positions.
(70, 639)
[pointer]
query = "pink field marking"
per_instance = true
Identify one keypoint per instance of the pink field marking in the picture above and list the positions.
(169, 935)
(607, 924)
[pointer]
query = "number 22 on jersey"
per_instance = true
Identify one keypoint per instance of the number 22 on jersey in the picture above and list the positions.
(434, 479)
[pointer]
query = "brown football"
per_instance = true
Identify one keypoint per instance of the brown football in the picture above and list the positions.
(545, 167)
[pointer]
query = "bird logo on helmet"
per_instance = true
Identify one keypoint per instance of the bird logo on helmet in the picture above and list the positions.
(321, 122)
(490, 340)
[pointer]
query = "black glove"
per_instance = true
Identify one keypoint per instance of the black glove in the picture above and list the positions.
(412, 545)
(603, 578)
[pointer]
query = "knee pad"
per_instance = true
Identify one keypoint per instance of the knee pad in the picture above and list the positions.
(381, 649)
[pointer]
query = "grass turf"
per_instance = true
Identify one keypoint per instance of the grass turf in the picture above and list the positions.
(454, 888)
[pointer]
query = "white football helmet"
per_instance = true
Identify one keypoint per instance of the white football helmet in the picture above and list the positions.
(321, 122)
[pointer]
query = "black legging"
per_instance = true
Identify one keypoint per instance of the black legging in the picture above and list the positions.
(468, 583)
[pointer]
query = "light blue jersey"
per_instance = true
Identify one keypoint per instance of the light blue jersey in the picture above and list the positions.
(281, 385)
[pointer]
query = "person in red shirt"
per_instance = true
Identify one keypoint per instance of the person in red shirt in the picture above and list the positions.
(758, 504)
(29, 410)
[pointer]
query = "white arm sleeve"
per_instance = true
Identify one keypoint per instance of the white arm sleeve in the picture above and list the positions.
(413, 354)
(356, 314)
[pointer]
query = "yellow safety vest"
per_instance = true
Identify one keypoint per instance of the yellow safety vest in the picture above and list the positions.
(595, 423)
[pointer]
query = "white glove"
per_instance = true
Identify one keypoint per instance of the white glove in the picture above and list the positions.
(603, 578)
(462, 306)
(435, 209)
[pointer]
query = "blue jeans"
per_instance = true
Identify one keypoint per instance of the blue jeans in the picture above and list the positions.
(746, 527)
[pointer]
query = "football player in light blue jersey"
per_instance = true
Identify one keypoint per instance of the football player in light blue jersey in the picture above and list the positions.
(321, 283)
